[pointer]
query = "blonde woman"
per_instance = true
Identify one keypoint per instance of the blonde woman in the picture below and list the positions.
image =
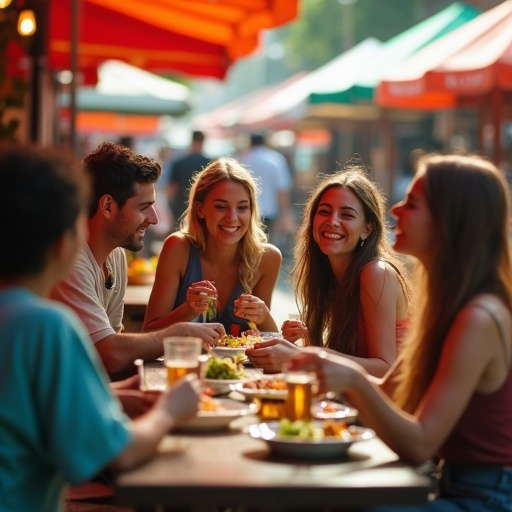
(218, 266)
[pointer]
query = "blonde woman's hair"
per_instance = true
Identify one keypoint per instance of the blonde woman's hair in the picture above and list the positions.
(331, 310)
(251, 246)
(468, 199)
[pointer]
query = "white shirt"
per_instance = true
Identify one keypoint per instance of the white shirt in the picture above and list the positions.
(84, 291)
(272, 174)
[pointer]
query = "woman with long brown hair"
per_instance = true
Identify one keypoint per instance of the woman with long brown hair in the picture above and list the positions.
(449, 395)
(352, 290)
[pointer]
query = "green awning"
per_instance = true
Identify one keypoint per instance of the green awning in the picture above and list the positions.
(394, 51)
(123, 88)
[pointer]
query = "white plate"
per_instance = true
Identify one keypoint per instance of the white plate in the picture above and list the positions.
(329, 447)
(228, 351)
(220, 419)
(268, 394)
(221, 386)
(327, 410)
(268, 335)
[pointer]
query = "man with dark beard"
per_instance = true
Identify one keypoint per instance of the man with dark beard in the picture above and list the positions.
(122, 208)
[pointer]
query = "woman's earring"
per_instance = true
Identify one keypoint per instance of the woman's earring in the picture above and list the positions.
(362, 242)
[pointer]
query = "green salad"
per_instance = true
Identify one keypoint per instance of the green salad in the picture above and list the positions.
(299, 429)
(225, 368)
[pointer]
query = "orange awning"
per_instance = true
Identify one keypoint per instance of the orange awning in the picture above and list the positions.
(117, 124)
(473, 60)
(192, 37)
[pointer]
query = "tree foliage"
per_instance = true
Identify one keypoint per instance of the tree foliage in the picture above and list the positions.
(320, 32)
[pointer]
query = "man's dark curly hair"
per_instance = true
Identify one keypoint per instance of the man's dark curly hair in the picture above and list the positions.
(114, 170)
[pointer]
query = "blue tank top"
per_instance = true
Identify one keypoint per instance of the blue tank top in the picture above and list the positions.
(194, 273)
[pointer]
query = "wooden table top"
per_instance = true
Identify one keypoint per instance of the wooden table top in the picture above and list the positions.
(229, 467)
(232, 468)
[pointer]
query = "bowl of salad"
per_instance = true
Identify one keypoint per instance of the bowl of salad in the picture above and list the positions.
(221, 373)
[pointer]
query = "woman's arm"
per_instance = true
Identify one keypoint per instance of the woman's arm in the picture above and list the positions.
(379, 297)
(270, 355)
(172, 264)
(472, 349)
(268, 271)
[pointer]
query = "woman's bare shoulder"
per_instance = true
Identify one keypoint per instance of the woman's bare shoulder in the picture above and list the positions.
(379, 280)
(376, 270)
(177, 246)
(271, 252)
(488, 304)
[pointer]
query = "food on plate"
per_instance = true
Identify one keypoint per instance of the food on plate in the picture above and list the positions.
(307, 430)
(253, 326)
(328, 407)
(243, 341)
(225, 368)
(251, 332)
(277, 383)
(208, 404)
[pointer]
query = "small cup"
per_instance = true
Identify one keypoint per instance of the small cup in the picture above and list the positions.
(181, 357)
(296, 316)
(302, 387)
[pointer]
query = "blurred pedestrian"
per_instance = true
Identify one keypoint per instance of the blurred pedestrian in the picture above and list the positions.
(181, 172)
(272, 173)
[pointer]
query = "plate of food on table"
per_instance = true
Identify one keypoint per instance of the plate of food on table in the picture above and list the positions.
(330, 410)
(221, 373)
(230, 345)
(316, 439)
(270, 387)
(217, 414)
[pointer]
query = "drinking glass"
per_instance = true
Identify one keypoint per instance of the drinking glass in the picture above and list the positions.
(181, 357)
(302, 387)
(296, 316)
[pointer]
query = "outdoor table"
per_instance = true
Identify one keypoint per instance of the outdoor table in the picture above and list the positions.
(135, 302)
(230, 468)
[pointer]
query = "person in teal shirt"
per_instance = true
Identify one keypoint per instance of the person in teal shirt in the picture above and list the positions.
(59, 421)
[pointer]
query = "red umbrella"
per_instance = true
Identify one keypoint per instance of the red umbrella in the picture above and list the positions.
(193, 37)
(471, 65)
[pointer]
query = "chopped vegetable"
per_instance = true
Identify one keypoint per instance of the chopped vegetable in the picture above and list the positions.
(224, 368)
(238, 342)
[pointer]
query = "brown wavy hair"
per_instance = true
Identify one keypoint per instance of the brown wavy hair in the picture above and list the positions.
(468, 198)
(331, 310)
(250, 247)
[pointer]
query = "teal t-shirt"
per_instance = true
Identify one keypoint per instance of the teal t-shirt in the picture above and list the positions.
(58, 419)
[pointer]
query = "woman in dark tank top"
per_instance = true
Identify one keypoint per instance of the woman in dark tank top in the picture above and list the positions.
(218, 266)
(451, 388)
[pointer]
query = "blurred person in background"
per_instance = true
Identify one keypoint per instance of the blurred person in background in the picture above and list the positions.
(122, 208)
(59, 422)
(181, 172)
(272, 173)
